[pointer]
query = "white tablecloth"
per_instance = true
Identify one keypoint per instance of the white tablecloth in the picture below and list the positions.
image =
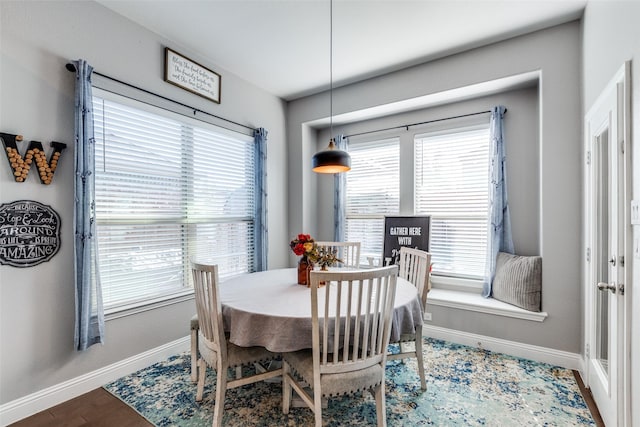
(269, 309)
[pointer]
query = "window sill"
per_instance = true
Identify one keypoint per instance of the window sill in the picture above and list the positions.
(140, 307)
(476, 302)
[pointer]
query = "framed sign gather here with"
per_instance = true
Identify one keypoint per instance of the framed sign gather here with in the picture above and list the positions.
(410, 231)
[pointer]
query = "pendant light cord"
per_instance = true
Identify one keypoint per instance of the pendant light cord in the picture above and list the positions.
(330, 70)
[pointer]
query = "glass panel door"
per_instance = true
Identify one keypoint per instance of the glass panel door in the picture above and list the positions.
(603, 203)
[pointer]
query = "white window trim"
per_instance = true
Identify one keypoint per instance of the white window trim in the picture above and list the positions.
(120, 311)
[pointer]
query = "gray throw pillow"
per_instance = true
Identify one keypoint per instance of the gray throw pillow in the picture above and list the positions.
(518, 280)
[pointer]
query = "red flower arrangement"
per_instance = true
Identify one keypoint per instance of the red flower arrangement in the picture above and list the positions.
(305, 246)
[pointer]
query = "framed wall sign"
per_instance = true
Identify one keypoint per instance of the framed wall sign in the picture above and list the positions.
(191, 76)
(410, 231)
(29, 233)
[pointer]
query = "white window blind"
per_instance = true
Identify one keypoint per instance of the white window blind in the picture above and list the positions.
(451, 185)
(168, 188)
(372, 191)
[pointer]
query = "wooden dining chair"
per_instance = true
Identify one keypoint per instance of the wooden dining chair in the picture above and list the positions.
(214, 348)
(349, 350)
(348, 252)
(414, 267)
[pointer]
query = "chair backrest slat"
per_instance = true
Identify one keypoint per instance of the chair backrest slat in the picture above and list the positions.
(388, 311)
(325, 329)
(336, 322)
(367, 319)
(346, 341)
(357, 308)
(357, 326)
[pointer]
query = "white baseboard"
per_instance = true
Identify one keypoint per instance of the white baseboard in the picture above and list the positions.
(561, 358)
(39, 401)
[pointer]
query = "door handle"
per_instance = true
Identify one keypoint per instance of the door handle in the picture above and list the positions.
(607, 287)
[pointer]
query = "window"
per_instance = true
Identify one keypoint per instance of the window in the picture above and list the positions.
(452, 185)
(372, 191)
(168, 188)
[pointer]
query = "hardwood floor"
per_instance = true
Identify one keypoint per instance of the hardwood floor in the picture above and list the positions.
(97, 408)
(588, 398)
(100, 408)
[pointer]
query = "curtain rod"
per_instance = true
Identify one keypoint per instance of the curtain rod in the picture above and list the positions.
(72, 68)
(421, 123)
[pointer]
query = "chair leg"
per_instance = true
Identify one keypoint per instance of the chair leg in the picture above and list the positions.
(286, 387)
(317, 407)
(194, 355)
(238, 372)
(221, 391)
(381, 410)
(423, 381)
(202, 370)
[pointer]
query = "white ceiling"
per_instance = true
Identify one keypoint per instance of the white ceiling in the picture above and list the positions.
(283, 46)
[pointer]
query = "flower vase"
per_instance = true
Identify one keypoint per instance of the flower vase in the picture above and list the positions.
(304, 268)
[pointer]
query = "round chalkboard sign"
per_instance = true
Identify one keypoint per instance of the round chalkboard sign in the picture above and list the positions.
(29, 233)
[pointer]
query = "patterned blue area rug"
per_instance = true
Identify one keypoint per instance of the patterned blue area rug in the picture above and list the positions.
(465, 387)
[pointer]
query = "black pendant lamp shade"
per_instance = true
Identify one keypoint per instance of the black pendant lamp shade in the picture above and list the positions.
(331, 160)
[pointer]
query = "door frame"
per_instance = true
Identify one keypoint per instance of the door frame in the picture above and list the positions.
(620, 85)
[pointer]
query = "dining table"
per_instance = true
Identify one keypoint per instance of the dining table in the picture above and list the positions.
(270, 309)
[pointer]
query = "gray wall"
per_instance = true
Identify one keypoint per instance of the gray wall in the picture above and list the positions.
(36, 100)
(611, 35)
(555, 53)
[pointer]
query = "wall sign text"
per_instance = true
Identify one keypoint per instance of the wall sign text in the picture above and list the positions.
(410, 231)
(29, 233)
(191, 76)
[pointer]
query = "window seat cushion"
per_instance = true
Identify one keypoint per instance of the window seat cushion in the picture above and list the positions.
(518, 280)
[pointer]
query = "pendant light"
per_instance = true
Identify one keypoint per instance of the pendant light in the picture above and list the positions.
(331, 160)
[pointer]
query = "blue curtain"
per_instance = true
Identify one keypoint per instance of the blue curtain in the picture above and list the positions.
(499, 237)
(89, 328)
(339, 201)
(261, 231)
